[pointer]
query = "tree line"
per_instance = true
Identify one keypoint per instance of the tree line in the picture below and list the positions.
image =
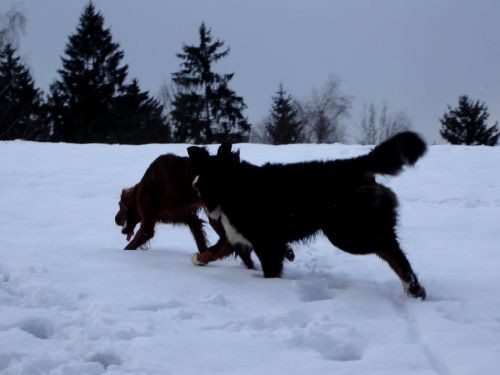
(94, 101)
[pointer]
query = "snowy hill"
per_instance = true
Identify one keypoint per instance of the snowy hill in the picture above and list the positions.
(72, 302)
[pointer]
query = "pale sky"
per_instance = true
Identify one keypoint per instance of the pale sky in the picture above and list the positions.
(418, 56)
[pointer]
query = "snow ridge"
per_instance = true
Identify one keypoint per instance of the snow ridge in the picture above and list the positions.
(72, 302)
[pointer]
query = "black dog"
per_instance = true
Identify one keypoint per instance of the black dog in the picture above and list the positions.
(267, 207)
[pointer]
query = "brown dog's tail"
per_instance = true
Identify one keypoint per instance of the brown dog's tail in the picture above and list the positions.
(393, 154)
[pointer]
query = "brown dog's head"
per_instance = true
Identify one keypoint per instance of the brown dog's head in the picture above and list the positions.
(127, 216)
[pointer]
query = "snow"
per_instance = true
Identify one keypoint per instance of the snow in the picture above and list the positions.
(73, 302)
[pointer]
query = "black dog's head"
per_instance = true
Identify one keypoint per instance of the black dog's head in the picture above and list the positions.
(213, 172)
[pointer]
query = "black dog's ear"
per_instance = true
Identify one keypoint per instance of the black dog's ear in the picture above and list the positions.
(198, 155)
(224, 149)
(224, 152)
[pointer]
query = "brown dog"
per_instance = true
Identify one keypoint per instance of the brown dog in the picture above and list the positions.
(165, 195)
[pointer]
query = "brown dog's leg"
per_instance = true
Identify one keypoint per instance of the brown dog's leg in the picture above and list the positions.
(222, 249)
(143, 235)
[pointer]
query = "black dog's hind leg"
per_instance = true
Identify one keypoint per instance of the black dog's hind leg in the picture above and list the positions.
(389, 251)
(395, 257)
(365, 224)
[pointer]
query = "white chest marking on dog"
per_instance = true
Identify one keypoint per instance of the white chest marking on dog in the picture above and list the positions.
(233, 236)
(195, 180)
(195, 188)
(215, 213)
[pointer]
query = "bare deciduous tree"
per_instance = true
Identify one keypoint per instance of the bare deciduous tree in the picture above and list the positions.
(323, 112)
(166, 96)
(12, 25)
(258, 132)
(388, 124)
(368, 125)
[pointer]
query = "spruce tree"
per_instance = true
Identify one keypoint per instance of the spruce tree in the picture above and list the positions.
(92, 76)
(205, 109)
(466, 124)
(283, 126)
(21, 115)
(141, 118)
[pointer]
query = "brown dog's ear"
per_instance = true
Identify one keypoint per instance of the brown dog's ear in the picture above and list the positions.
(126, 196)
(198, 155)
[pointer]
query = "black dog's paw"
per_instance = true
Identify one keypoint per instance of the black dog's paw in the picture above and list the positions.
(416, 290)
(247, 259)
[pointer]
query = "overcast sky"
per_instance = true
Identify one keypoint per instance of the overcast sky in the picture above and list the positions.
(418, 56)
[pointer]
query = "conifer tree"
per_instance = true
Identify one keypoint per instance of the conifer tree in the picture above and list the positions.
(141, 118)
(466, 124)
(92, 76)
(283, 125)
(21, 115)
(205, 109)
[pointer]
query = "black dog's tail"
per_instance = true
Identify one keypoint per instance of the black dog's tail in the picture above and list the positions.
(393, 154)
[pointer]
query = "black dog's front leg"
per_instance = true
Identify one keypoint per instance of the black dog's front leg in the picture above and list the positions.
(195, 224)
(271, 259)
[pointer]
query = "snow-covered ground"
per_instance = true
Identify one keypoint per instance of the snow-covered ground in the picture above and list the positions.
(72, 302)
